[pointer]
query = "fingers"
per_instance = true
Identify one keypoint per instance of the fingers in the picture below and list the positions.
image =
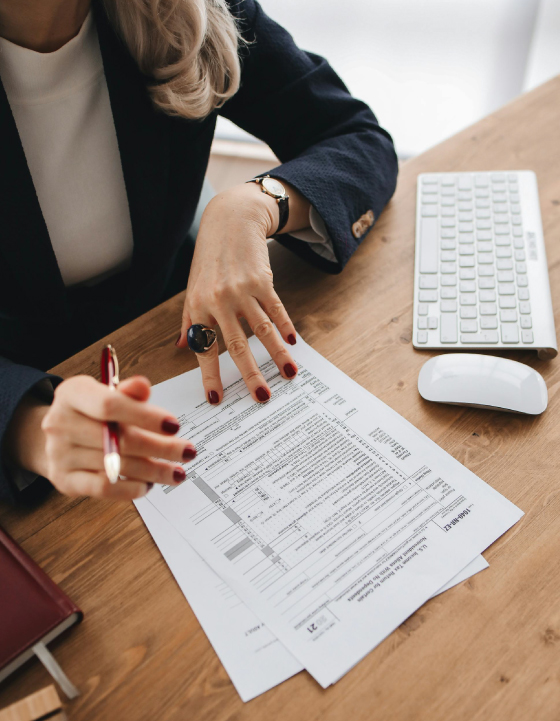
(137, 387)
(209, 363)
(96, 485)
(266, 332)
(275, 310)
(149, 470)
(238, 347)
(97, 401)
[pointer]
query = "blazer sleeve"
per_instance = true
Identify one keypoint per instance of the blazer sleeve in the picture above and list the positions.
(331, 147)
(15, 382)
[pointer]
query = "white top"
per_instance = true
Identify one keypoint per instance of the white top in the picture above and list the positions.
(61, 107)
(60, 103)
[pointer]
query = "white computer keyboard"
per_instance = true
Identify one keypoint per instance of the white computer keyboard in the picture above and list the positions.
(481, 277)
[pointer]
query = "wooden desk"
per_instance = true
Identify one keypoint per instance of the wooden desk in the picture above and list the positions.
(486, 650)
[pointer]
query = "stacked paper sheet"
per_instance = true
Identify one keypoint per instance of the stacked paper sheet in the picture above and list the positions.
(313, 525)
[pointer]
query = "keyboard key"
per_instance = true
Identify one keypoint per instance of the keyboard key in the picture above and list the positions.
(422, 323)
(501, 219)
(448, 329)
(448, 244)
(466, 262)
(527, 336)
(427, 296)
(468, 312)
(432, 322)
(502, 230)
(512, 177)
(482, 193)
(504, 264)
(526, 321)
(449, 280)
(507, 302)
(515, 208)
(524, 308)
(428, 245)
(488, 309)
(448, 222)
(448, 306)
(485, 270)
(481, 181)
(466, 249)
(487, 296)
(466, 238)
(484, 246)
(468, 299)
(464, 196)
(447, 212)
(519, 255)
(498, 177)
(482, 203)
(485, 259)
(486, 283)
(449, 233)
(516, 220)
(447, 180)
(448, 268)
(510, 333)
(483, 225)
(464, 206)
(428, 199)
(514, 197)
(503, 252)
(488, 322)
(482, 213)
(504, 289)
(523, 293)
(500, 208)
(505, 276)
(468, 227)
(465, 217)
(508, 316)
(518, 243)
(499, 197)
(449, 255)
(518, 231)
(467, 274)
(485, 336)
(429, 180)
(422, 336)
(522, 281)
(422, 309)
(428, 282)
(448, 293)
(467, 286)
(465, 182)
(469, 326)
(502, 241)
(429, 211)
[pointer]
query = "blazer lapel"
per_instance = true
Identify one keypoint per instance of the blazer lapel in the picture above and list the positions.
(24, 239)
(143, 141)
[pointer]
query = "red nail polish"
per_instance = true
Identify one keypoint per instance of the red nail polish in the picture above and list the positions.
(189, 453)
(292, 339)
(213, 397)
(179, 475)
(170, 426)
(289, 370)
(178, 339)
(262, 394)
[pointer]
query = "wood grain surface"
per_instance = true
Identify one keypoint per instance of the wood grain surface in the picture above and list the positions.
(488, 649)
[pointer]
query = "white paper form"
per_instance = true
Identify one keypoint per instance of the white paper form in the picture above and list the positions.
(253, 658)
(331, 516)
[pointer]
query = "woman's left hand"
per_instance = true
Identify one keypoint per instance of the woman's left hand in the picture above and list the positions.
(231, 278)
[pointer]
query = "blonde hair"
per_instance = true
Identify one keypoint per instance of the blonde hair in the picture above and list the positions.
(189, 48)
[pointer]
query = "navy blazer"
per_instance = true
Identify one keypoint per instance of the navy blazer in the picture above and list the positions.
(330, 146)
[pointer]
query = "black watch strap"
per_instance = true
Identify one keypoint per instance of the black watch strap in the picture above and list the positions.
(283, 213)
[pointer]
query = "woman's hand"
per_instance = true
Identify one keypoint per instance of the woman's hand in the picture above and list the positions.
(64, 442)
(230, 278)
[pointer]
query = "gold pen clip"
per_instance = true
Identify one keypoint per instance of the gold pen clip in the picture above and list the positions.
(113, 354)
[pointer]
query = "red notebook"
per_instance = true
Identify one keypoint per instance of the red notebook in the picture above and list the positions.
(32, 607)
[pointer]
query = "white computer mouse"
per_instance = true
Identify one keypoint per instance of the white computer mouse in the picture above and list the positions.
(483, 381)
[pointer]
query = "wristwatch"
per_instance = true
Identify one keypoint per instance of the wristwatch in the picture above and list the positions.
(276, 190)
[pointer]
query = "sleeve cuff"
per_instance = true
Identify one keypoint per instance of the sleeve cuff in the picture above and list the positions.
(317, 236)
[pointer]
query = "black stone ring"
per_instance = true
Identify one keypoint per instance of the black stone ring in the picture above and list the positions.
(201, 338)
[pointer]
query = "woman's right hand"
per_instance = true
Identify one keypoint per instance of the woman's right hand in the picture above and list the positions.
(73, 428)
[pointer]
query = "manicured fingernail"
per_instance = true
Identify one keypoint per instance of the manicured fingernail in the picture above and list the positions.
(292, 339)
(262, 394)
(289, 370)
(213, 397)
(179, 475)
(189, 453)
(170, 426)
(178, 339)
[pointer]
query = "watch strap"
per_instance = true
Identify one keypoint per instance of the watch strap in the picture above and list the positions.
(283, 203)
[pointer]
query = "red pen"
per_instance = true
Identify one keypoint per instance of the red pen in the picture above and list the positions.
(111, 455)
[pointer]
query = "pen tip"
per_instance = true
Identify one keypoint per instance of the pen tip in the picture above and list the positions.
(112, 463)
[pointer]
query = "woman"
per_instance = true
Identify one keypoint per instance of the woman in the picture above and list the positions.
(107, 112)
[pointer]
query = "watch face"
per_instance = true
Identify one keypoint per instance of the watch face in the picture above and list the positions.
(274, 187)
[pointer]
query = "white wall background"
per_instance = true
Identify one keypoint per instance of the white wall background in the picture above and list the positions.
(428, 68)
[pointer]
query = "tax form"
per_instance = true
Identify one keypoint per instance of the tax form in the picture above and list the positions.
(325, 511)
(254, 659)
